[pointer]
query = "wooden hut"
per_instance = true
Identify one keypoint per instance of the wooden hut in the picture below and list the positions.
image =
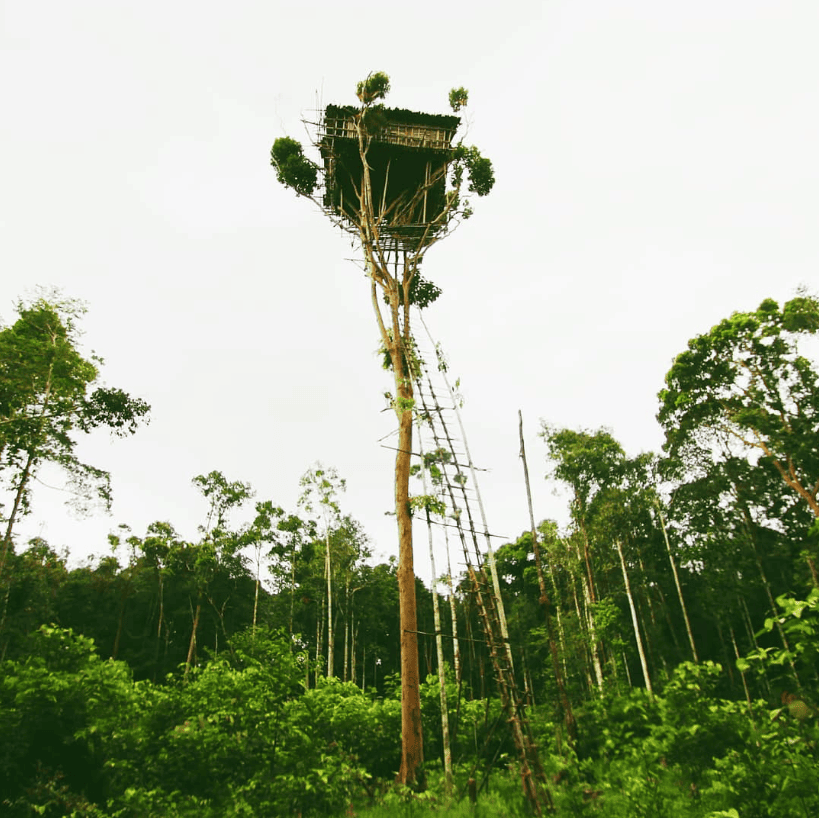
(408, 157)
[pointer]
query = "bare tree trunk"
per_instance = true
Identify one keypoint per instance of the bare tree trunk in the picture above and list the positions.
(742, 674)
(595, 647)
(319, 640)
(637, 636)
(120, 619)
(412, 748)
(749, 630)
(568, 716)
(456, 648)
(439, 647)
(580, 626)
(256, 595)
(677, 584)
(194, 629)
(346, 627)
(292, 596)
(812, 566)
(15, 508)
(331, 644)
(398, 344)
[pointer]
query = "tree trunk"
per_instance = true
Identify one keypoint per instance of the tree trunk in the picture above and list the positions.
(412, 748)
(568, 716)
(25, 476)
(637, 636)
(18, 499)
(331, 644)
(742, 674)
(678, 586)
(456, 649)
(346, 628)
(292, 596)
(319, 639)
(256, 594)
(439, 647)
(195, 628)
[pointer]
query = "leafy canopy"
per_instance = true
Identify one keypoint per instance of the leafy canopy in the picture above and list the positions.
(745, 384)
(293, 168)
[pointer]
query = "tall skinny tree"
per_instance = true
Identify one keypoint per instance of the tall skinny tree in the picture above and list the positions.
(397, 194)
(320, 487)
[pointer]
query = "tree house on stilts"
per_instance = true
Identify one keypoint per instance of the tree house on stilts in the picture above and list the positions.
(407, 155)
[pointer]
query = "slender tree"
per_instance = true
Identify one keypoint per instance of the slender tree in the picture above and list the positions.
(396, 216)
(46, 399)
(320, 487)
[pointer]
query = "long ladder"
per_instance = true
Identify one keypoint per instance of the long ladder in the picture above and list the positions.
(486, 593)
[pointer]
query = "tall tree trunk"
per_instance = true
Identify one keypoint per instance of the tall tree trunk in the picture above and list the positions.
(411, 771)
(456, 648)
(677, 584)
(568, 716)
(580, 626)
(331, 644)
(592, 630)
(25, 476)
(256, 594)
(749, 526)
(319, 640)
(398, 344)
(120, 620)
(637, 636)
(15, 508)
(412, 749)
(749, 631)
(439, 647)
(346, 627)
(292, 596)
(194, 629)
(561, 632)
(160, 622)
(742, 674)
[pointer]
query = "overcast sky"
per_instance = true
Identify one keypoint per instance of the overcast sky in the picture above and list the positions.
(657, 168)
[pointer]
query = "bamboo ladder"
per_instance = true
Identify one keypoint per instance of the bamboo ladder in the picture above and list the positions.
(487, 596)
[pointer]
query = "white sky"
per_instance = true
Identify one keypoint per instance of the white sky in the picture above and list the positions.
(657, 168)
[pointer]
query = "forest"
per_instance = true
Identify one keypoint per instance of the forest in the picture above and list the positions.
(655, 655)
(665, 642)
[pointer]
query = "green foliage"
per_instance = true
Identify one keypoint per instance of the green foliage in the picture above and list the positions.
(57, 709)
(375, 86)
(586, 460)
(46, 397)
(423, 292)
(293, 168)
(799, 620)
(746, 384)
(479, 170)
(429, 503)
(458, 98)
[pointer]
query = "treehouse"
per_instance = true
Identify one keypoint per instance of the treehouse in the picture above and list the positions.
(408, 156)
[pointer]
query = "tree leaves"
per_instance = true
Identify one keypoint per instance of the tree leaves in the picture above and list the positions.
(293, 168)
(745, 386)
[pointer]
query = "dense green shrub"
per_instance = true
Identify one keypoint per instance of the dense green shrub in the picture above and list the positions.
(55, 709)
